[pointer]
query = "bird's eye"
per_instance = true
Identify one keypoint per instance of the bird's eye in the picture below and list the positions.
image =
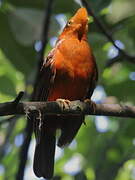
(69, 23)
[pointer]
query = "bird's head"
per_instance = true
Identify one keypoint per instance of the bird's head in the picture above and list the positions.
(78, 24)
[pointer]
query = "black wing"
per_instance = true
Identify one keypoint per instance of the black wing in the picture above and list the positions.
(93, 81)
(46, 78)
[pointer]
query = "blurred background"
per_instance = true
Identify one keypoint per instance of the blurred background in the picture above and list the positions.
(104, 148)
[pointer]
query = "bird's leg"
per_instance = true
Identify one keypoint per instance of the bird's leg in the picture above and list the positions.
(91, 104)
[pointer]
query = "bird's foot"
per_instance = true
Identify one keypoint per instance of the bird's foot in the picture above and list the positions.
(64, 103)
(91, 104)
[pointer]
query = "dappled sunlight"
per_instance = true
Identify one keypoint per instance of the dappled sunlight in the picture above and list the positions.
(19, 140)
(99, 94)
(74, 165)
(29, 174)
(132, 76)
(113, 51)
(38, 46)
(58, 153)
(62, 20)
(102, 123)
(53, 41)
(73, 145)
(2, 169)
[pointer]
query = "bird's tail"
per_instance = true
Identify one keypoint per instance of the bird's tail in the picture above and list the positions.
(44, 156)
(69, 129)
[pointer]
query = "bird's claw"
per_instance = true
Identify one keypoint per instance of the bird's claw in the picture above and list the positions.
(91, 104)
(64, 103)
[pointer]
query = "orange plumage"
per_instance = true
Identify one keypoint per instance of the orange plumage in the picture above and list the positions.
(68, 72)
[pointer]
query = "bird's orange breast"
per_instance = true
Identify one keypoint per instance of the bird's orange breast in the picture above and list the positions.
(74, 64)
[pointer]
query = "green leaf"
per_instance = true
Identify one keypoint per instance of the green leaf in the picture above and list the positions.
(23, 58)
(31, 22)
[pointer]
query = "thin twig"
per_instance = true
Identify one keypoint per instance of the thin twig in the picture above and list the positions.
(112, 61)
(9, 131)
(44, 39)
(106, 33)
(19, 97)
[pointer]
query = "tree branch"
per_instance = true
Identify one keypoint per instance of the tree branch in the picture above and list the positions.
(44, 38)
(112, 61)
(106, 33)
(75, 108)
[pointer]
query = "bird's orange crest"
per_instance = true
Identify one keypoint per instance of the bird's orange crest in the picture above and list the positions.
(78, 25)
(81, 16)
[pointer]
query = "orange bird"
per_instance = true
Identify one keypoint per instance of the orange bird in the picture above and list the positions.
(69, 72)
